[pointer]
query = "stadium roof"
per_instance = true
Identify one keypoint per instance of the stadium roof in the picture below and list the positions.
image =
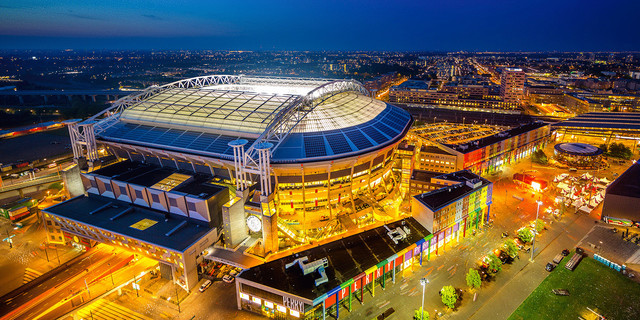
(314, 118)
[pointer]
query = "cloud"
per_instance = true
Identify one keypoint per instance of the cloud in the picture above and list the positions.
(151, 16)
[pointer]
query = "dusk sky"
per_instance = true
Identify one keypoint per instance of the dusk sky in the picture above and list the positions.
(438, 25)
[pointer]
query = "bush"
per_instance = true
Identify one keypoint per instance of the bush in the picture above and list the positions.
(619, 150)
(449, 296)
(473, 279)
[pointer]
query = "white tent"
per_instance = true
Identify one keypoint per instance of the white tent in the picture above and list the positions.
(605, 180)
(563, 186)
(585, 209)
(586, 176)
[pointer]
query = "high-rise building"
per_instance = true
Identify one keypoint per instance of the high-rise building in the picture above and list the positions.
(512, 85)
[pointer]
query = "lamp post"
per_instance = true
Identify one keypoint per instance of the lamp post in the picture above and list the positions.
(535, 231)
(423, 282)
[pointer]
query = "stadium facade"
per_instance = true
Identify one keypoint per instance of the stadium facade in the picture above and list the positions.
(286, 160)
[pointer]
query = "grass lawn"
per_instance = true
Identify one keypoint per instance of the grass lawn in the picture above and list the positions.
(591, 285)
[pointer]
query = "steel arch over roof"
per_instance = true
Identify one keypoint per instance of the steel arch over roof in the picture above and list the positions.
(202, 115)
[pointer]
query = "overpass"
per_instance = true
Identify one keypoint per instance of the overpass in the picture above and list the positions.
(45, 94)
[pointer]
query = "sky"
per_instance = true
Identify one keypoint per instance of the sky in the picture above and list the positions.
(391, 25)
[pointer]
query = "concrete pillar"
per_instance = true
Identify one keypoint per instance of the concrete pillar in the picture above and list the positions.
(93, 98)
(45, 99)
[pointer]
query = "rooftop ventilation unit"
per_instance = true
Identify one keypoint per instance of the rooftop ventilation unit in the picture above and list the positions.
(398, 234)
(311, 267)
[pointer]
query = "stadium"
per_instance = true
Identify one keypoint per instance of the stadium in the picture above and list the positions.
(282, 161)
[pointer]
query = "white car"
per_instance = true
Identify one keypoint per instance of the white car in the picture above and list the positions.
(205, 285)
(228, 278)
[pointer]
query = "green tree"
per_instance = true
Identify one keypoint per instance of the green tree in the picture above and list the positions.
(417, 315)
(540, 225)
(473, 279)
(449, 296)
(539, 156)
(510, 248)
(494, 263)
(525, 235)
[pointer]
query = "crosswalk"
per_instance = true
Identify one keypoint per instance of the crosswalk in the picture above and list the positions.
(106, 310)
(30, 274)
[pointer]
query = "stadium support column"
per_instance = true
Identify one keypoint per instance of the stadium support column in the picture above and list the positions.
(238, 162)
(269, 213)
(83, 135)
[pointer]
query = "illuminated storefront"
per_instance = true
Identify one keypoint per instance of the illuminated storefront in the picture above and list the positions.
(336, 280)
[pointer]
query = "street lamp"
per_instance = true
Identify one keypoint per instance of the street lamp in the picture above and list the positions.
(533, 245)
(423, 282)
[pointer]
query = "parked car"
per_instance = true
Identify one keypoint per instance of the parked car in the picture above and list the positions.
(560, 292)
(565, 252)
(579, 250)
(550, 266)
(205, 285)
(228, 278)
(505, 234)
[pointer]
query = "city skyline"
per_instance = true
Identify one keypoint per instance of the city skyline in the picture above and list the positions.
(374, 25)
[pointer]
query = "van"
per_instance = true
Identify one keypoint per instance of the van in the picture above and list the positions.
(573, 170)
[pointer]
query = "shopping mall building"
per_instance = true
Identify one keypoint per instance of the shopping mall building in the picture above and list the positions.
(283, 161)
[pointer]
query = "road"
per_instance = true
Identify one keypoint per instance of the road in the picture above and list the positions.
(26, 304)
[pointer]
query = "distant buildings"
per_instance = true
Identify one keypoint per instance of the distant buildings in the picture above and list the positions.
(512, 85)
(464, 97)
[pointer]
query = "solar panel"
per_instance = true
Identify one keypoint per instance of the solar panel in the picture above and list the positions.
(168, 137)
(338, 143)
(185, 139)
(375, 134)
(358, 139)
(314, 146)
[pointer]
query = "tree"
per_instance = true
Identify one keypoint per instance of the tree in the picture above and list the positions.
(494, 263)
(604, 147)
(525, 235)
(473, 279)
(449, 296)
(539, 225)
(510, 248)
(619, 150)
(539, 156)
(417, 315)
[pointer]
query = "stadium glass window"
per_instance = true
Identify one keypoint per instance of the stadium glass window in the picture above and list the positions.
(93, 183)
(107, 187)
(155, 198)
(139, 194)
(123, 190)
(191, 206)
(173, 202)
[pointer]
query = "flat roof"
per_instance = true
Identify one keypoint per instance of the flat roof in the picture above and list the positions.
(603, 120)
(439, 198)
(148, 175)
(434, 149)
(486, 141)
(110, 218)
(348, 258)
(423, 175)
(628, 183)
